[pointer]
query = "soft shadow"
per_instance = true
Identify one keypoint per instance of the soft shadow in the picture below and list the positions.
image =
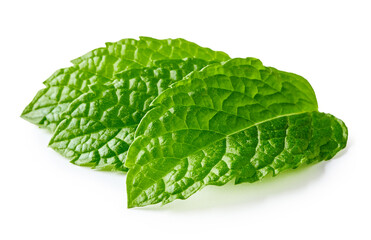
(249, 195)
(229, 196)
(235, 196)
(345, 150)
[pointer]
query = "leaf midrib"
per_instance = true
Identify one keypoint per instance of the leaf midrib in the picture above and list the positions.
(212, 142)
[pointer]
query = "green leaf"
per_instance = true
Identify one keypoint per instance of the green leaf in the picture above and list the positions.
(235, 120)
(64, 86)
(99, 126)
(100, 66)
(130, 53)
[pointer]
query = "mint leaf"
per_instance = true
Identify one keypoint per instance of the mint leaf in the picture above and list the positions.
(235, 120)
(146, 106)
(99, 125)
(100, 66)
(64, 86)
(128, 54)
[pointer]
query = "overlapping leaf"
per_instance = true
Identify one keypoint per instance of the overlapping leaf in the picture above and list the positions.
(100, 66)
(146, 105)
(99, 126)
(235, 120)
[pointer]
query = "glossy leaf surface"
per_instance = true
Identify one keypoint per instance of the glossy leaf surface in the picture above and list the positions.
(235, 120)
(100, 66)
(99, 126)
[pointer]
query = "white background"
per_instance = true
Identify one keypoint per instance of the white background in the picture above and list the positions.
(43, 196)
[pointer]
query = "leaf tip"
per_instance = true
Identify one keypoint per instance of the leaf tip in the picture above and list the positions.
(129, 205)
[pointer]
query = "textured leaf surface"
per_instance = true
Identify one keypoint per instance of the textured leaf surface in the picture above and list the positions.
(64, 86)
(235, 120)
(100, 66)
(99, 125)
(130, 53)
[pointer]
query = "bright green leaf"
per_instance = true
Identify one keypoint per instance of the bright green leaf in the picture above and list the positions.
(236, 120)
(100, 66)
(99, 126)
(64, 86)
